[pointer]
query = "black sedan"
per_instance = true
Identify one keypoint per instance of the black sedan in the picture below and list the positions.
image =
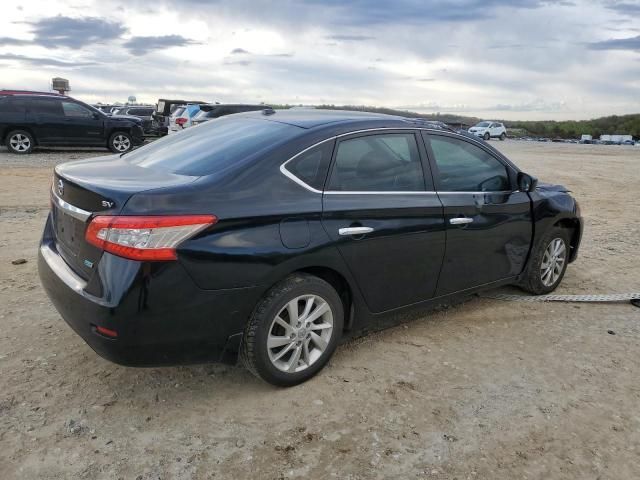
(277, 234)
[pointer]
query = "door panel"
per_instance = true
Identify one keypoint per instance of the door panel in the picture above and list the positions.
(399, 261)
(489, 226)
(80, 125)
(493, 246)
(377, 183)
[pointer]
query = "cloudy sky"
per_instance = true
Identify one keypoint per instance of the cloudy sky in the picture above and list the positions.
(524, 59)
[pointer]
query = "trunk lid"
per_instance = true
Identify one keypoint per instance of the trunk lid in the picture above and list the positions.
(102, 186)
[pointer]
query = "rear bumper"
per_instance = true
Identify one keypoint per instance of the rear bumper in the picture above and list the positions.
(161, 317)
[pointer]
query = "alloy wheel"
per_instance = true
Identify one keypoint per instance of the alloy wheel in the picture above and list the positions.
(121, 143)
(300, 333)
(20, 142)
(553, 261)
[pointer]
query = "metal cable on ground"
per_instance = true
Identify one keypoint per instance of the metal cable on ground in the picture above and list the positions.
(634, 298)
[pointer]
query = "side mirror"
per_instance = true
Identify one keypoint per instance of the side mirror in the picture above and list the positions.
(526, 183)
(96, 115)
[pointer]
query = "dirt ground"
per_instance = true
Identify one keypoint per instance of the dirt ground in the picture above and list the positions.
(484, 390)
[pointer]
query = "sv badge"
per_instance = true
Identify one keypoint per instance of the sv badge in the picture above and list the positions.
(107, 204)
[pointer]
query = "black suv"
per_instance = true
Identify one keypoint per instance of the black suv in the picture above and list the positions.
(31, 119)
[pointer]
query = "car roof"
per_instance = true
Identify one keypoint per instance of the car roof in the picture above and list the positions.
(30, 93)
(235, 105)
(316, 118)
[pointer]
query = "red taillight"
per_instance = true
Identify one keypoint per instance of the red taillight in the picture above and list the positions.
(145, 238)
(181, 121)
(107, 332)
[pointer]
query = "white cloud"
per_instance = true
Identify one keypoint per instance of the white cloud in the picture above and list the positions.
(519, 59)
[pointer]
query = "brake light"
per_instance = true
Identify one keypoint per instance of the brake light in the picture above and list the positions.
(181, 121)
(149, 238)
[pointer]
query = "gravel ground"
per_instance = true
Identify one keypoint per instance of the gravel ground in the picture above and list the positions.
(483, 390)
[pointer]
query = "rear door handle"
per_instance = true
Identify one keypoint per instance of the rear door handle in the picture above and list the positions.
(460, 221)
(355, 230)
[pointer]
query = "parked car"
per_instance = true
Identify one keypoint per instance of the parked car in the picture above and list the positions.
(29, 120)
(277, 234)
(164, 109)
(144, 113)
(105, 108)
(488, 130)
(209, 111)
(182, 116)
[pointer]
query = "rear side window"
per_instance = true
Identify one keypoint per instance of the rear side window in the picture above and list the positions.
(12, 105)
(378, 163)
(311, 166)
(214, 147)
(43, 106)
(464, 167)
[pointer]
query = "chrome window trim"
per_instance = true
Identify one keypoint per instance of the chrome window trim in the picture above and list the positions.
(72, 210)
(295, 179)
(346, 192)
(291, 176)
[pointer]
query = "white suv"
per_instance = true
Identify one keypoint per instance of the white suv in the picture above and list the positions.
(489, 130)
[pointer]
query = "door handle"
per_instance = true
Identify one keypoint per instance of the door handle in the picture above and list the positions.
(460, 221)
(355, 230)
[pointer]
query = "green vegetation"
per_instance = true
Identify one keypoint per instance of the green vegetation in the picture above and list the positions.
(620, 125)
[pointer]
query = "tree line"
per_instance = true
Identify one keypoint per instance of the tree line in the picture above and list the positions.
(614, 124)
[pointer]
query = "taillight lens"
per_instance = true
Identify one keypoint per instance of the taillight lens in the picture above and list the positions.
(145, 238)
(181, 121)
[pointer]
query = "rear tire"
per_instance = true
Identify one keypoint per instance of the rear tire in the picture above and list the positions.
(293, 331)
(548, 263)
(486, 137)
(120, 142)
(503, 136)
(20, 142)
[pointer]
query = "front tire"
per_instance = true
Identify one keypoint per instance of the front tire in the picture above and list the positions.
(20, 142)
(548, 263)
(486, 137)
(120, 142)
(293, 331)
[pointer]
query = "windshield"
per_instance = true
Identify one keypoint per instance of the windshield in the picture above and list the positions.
(483, 124)
(212, 147)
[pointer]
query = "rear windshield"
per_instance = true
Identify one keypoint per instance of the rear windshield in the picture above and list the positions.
(212, 147)
(177, 112)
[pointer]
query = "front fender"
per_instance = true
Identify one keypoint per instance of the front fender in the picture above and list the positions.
(556, 207)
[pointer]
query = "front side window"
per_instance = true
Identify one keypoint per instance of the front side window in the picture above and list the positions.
(378, 163)
(74, 110)
(464, 167)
